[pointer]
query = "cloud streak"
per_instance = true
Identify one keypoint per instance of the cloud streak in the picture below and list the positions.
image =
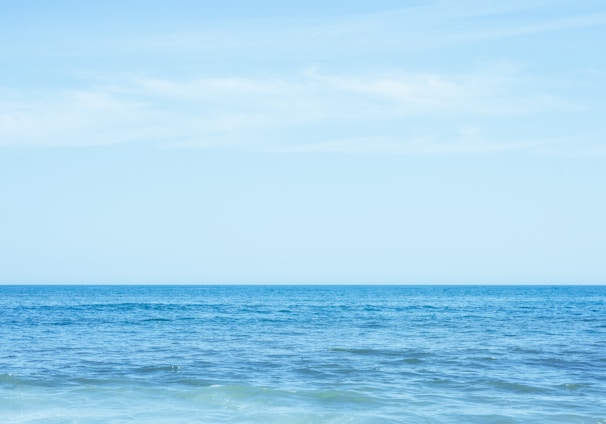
(311, 111)
(427, 26)
(365, 95)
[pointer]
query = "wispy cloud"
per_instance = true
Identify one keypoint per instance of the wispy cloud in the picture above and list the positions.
(311, 111)
(426, 26)
(374, 88)
(458, 144)
(73, 118)
(541, 26)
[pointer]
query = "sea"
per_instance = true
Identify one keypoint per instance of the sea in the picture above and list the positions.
(303, 354)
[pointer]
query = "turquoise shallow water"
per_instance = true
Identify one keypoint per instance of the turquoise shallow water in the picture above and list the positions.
(304, 354)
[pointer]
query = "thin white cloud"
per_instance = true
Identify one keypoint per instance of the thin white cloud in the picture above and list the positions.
(445, 23)
(458, 144)
(313, 111)
(537, 27)
(429, 25)
(72, 118)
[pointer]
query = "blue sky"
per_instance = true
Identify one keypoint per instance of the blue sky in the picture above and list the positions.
(327, 142)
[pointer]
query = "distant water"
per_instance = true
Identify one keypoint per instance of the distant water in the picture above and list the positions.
(279, 354)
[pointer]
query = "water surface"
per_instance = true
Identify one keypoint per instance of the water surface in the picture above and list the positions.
(302, 354)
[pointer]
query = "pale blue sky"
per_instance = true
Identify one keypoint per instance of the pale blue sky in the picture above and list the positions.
(328, 142)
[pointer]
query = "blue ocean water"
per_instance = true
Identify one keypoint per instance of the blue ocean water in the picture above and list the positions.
(302, 354)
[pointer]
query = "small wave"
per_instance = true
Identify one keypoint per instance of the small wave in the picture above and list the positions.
(12, 380)
(514, 387)
(412, 361)
(407, 354)
(341, 396)
(8, 378)
(150, 369)
(264, 395)
(573, 387)
(194, 382)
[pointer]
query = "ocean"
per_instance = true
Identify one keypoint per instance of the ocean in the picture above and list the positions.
(303, 354)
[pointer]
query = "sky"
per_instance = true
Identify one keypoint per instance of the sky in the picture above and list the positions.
(333, 142)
